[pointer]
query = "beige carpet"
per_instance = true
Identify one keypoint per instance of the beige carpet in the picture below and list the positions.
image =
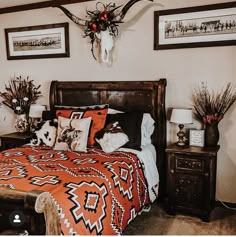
(158, 222)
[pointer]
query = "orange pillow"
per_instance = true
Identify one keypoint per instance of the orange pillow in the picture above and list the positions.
(98, 119)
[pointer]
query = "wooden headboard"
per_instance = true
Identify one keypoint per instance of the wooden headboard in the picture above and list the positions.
(146, 96)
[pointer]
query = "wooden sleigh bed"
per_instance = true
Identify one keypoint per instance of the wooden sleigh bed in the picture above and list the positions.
(39, 210)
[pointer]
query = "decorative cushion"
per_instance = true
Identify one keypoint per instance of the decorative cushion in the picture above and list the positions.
(45, 133)
(72, 134)
(48, 115)
(131, 124)
(147, 126)
(98, 119)
(114, 111)
(111, 137)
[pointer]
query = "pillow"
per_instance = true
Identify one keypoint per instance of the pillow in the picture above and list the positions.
(111, 137)
(45, 133)
(131, 124)
(147, 127)
(48, 115)
(98, 119)
(114, 111)
(72, 134)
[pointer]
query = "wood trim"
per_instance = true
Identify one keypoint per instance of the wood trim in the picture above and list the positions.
(38, 5)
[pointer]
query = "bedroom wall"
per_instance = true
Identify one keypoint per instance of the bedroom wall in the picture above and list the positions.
(134, 59)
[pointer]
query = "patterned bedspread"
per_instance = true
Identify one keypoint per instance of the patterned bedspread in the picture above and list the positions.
(95, 193)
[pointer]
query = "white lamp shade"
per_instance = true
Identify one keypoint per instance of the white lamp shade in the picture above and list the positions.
(36, 110)
(181, 116)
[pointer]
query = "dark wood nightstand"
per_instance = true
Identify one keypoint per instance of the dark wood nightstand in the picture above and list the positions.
(12, 140)
(191, 179)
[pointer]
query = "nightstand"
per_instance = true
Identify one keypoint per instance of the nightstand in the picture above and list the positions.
(191, 179)
(12, 140)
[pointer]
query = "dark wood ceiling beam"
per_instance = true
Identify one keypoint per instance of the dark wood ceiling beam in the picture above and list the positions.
(38, 5)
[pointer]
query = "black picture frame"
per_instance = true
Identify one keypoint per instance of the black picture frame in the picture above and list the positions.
(201, 26)
(41, 41)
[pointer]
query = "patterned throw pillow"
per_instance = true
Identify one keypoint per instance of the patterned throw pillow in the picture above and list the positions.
(111, 137)
(131, 124)
(98, 119)
(45, 133)
(72, 134)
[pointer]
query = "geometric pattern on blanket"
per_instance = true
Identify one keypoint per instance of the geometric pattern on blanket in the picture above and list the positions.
(95, 192)
(47, 157)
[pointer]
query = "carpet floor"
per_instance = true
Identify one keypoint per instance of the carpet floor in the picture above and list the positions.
(158, 222)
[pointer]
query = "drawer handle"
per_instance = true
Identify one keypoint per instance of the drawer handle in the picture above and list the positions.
(172, 171)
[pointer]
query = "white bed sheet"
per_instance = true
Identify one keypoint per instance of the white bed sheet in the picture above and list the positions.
(148, 158)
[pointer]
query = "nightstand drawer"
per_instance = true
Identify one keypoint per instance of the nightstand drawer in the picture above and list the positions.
(190, 164)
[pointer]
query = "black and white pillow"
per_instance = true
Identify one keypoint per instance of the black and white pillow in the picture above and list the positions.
(45, 133)
(131, 124)
(111, 137)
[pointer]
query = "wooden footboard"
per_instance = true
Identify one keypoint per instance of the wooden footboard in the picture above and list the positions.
(39, 214)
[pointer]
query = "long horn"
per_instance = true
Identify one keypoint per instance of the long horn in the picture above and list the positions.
(74, 18)
(126, 8)
(70, 124)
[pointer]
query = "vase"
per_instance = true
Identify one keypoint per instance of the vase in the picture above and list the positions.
(21, 123)
(212, 134)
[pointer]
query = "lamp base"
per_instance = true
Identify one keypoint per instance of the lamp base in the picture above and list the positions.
(179, 143)
(181, 136)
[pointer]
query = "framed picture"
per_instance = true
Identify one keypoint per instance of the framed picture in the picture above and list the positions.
(42, 41)
(202, 26)
(196, 138)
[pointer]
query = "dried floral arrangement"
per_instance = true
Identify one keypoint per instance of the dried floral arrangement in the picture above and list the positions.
(20, 94)
(211, 106)
(102, 19)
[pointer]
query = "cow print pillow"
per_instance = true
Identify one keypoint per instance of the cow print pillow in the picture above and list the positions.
(45, 133)
(72, 134)
(111, 137)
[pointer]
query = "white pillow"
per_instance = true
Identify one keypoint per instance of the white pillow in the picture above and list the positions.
(111, 137)
(147, 129)
(113, 111)
(72, 134)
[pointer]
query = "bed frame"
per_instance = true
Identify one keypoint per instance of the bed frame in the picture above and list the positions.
(146, 96)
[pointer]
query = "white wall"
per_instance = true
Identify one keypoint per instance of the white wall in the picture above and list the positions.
(134, 59)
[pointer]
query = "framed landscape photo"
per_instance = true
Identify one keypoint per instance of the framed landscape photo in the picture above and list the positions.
(42, 41)
(202, 26)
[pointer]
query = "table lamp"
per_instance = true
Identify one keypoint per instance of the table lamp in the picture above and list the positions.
(181, 117)
(35, 113)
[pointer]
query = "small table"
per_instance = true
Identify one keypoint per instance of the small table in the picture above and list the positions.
(191, 179)
(15, 139)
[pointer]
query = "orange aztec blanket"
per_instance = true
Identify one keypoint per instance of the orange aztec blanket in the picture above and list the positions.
(95, 192)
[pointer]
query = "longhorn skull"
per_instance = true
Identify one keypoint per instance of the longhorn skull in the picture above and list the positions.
(102, 26)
